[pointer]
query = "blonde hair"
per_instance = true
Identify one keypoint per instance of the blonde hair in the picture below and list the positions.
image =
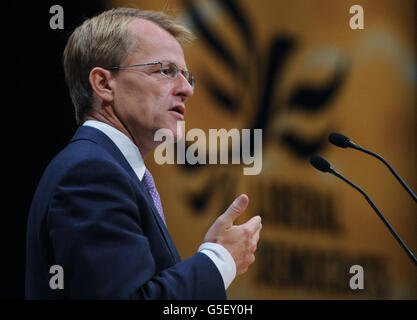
(104, 41)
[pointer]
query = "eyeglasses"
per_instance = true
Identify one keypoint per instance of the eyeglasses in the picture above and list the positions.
(168, 69)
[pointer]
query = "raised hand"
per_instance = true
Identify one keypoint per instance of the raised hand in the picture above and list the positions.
(240, 240)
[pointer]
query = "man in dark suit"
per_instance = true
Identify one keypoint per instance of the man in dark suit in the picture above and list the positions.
(96, 212)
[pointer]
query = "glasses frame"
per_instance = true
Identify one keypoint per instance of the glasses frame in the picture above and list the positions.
(186, 74)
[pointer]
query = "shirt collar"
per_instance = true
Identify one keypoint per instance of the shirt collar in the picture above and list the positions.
(126, 146)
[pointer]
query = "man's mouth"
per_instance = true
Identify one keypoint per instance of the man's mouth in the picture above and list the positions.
(178, 109)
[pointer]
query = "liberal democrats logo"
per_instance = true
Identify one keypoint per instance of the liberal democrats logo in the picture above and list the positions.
(270, 92)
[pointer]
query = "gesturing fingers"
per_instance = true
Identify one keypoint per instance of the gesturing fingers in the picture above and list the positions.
(257, 234)
(235, 209)
(252, 226)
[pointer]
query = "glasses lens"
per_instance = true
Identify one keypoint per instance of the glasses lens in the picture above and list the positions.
(189, 76)
(170, 70)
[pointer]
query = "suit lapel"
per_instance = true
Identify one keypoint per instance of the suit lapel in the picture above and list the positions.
(95, 135)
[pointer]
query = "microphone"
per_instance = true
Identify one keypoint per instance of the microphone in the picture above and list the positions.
(342, 141)
(321, 164)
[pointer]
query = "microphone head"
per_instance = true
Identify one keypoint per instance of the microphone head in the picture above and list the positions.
(339, 140)
(319, 163)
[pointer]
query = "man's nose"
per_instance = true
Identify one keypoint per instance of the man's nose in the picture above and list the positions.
(183, 87)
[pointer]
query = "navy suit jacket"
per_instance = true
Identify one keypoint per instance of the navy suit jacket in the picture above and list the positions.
(91, 215)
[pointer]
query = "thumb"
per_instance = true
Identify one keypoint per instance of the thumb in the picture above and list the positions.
(235, 209)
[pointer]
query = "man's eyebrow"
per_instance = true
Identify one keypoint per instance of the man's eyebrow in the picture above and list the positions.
(168, 61)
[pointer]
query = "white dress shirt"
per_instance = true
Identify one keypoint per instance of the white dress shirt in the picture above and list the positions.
(216, 252)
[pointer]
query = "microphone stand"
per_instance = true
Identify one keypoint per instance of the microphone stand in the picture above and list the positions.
(406, 187)
(379, 213)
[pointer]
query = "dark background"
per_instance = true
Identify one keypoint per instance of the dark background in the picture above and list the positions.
(38, 117)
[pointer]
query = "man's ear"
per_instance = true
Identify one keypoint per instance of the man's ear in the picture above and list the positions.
(100, 83)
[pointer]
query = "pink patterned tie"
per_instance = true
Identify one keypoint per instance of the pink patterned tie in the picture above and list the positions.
(149, 184)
